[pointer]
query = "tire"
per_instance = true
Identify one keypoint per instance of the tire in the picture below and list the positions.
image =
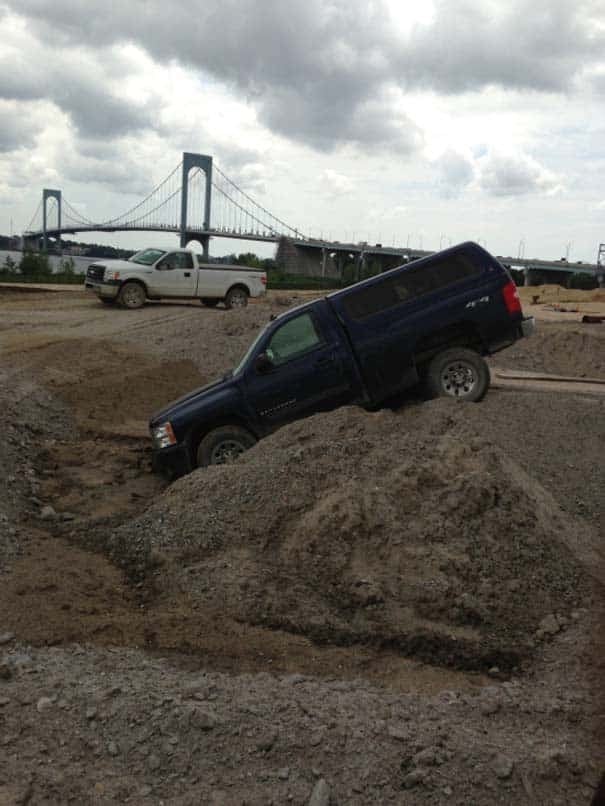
(223, 445)
(459, 373)
(132, 295)
(236, 297)
(209, 303)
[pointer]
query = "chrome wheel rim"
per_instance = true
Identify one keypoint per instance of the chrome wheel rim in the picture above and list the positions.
(458, 379)
(132, 297)
(238, 300)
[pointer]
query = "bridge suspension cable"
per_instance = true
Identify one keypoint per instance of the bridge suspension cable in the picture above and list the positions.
(292, 230)
(246, 214)
(30, 226)
(148, 213)
(233, 211)
(157, 189)
(71, 214)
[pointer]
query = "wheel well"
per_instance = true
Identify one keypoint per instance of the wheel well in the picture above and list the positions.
(239, 285)
(196, 435)
(461, 334)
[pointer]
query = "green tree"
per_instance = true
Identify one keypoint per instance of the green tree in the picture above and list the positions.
(249, 259)
(10, 267)
(33, 265)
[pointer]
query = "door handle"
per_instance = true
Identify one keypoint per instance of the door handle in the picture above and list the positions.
(187, 274)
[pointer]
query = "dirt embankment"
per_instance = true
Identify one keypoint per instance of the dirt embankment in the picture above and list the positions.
(393, 529)
(560, 349)
(270, 632)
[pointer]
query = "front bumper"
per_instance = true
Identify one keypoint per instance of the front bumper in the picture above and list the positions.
(105, 290)
(172, 462)
(528, 326)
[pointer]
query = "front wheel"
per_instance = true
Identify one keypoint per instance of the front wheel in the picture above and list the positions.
(236, 298)
(458, 373)
(132, 295)
(223, 445)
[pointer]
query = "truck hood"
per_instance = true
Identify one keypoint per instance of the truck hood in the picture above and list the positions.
(115, 264)
(197, 395)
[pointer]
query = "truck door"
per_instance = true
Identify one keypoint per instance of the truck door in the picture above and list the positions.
(297, 371)
(174, 276)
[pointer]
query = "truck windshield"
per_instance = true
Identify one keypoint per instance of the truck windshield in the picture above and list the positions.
(239, 367)
(147, 256)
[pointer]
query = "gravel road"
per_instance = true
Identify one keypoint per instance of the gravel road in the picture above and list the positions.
(211, 643)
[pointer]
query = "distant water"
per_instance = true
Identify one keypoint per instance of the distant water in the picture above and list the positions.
(80, 263)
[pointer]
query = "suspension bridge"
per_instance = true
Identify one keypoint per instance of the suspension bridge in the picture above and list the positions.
(196, 200)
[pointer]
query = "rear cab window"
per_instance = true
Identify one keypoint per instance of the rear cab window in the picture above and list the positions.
(410, 284)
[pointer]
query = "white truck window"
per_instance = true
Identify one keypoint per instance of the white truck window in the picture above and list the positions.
(178, 260)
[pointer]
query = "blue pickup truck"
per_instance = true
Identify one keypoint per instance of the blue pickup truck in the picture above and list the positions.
(432, 320)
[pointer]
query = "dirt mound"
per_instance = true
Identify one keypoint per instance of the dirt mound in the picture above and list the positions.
(30, 415)
(391, 529)
(560, 349)
(550, 292)
(109, 386)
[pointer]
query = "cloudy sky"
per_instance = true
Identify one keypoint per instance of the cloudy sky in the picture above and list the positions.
(396, 121)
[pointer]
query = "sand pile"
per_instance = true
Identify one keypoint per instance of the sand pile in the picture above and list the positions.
(403, 529)
(551, 292)
(560, 349)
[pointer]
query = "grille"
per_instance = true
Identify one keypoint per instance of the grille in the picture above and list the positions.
(95, 272)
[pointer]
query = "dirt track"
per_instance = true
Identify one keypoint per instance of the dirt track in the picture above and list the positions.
(194, 699)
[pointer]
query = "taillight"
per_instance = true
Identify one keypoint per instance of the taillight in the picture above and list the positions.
(511, 298)
(263, 279)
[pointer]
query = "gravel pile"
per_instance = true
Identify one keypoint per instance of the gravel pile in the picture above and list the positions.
(400, 530)
(560, 349)
(80, 725)
(29, 415)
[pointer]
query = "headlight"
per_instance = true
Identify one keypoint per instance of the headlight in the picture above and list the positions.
(112, 275)
(163, 436)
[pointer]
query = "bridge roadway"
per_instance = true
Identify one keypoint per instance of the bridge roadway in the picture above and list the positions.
(415, 254)
(325, 248)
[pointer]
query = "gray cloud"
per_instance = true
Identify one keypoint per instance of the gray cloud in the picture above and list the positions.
(110, 166)
(508, 175)
(319, 72)
(76, 87)
(526, 44)
(18, 128)
(456, 172)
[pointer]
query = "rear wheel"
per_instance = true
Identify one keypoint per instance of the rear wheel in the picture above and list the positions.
(223, 445)
(209, 303)
(132, 295)
(459, 373)
(236, 298)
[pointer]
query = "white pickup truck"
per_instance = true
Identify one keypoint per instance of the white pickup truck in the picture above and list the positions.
(157, 273)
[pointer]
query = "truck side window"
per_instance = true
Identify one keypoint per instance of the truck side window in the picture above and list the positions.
(295, 337)
(178, 260)
(185, 260)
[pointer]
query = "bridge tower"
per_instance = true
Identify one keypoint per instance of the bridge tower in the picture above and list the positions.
(46, 195)
(205, 163)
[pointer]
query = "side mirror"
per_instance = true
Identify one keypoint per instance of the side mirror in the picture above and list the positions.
(263, 363)
(161, 265)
